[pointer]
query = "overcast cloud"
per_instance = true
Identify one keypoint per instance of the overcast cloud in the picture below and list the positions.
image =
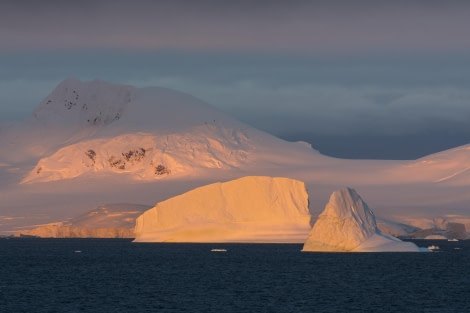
(336, 68)
(279, 94)
(338, 27)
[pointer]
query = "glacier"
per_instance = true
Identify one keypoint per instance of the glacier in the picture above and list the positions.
(347, 224)
(248, 209)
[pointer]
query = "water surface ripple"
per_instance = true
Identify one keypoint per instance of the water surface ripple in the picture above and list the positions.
(113, 275)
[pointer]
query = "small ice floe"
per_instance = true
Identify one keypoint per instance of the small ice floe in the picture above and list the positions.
(219, 250)
(453, 239)
(433, 247)
(78, 251)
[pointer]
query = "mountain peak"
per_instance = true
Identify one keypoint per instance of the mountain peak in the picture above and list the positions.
(87, 110)
(98, 103)
(91, 103)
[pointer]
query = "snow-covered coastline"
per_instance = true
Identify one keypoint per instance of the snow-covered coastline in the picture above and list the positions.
(84, 146)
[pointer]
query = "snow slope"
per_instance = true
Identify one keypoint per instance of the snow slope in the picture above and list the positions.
(249, 209)
(348, 225)
(451, 166)
(146, 156)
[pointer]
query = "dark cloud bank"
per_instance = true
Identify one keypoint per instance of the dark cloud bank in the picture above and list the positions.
(391, 108)
(362, 79)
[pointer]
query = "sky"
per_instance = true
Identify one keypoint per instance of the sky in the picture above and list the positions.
(356, 79)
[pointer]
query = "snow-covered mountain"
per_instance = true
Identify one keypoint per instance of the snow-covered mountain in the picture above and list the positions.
(149, 133)
(89, 143)
(72, 112)
(95, 126)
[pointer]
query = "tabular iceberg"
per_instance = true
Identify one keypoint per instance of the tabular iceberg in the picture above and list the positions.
(348, 225)
(248, 209)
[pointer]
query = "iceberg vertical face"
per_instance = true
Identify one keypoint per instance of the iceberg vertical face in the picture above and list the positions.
(249, 209)
(347, 224)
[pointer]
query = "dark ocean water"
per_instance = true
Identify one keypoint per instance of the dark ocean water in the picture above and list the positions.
(50, 275)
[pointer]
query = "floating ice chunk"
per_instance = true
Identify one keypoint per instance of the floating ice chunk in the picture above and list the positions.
(218, 250)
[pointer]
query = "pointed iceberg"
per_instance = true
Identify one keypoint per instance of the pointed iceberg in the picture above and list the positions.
(348, 225)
